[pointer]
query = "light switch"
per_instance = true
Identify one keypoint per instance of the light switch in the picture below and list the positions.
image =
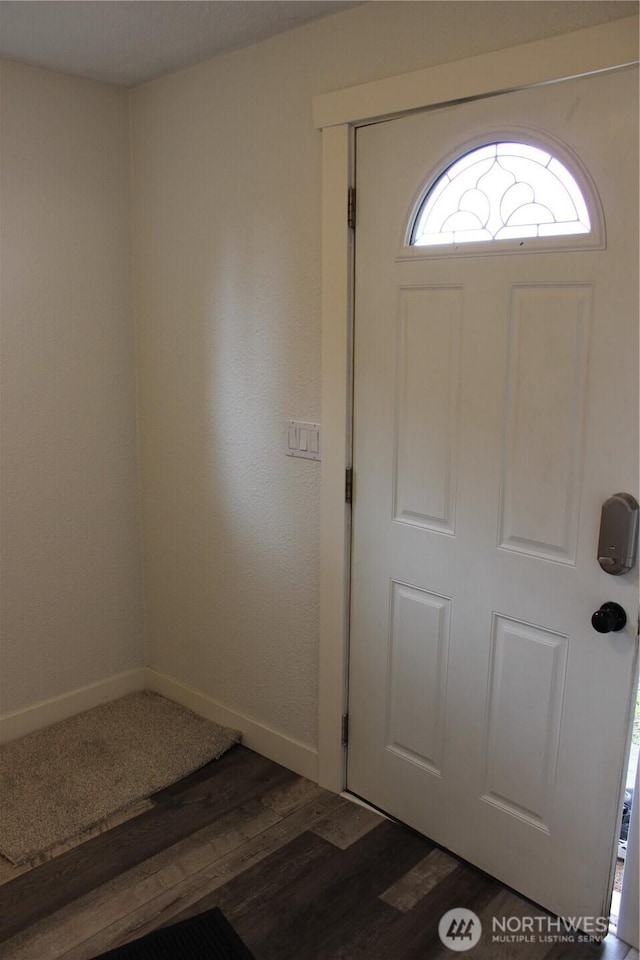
(302, 439)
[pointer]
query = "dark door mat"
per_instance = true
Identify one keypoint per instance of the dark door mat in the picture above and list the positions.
(208, 936)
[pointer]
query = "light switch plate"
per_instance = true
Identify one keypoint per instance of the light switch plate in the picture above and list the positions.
(302, 439)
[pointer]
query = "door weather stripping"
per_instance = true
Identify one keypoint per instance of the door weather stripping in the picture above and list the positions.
(345, 729)
(348, 485)
(351, 208)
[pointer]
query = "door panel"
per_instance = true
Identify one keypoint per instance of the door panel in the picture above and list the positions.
(417, 675)
(544, 418)
(495, 409)
(524, 709)
(427, 403)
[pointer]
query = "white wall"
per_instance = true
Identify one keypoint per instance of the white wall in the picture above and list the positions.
(226, 192)
(71, 581)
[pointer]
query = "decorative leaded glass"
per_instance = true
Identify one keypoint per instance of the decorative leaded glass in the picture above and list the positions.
(501, 191)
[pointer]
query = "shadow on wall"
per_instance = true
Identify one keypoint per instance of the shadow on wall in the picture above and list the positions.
(232, 524)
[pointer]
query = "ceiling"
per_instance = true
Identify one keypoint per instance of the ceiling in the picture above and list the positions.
(127, 42)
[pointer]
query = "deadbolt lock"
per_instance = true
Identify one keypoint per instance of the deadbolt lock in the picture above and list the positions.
(618, 541)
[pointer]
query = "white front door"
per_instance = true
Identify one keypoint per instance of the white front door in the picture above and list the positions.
(495, 410)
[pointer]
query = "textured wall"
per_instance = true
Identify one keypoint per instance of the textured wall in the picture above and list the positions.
(71, 584)
(226, 194)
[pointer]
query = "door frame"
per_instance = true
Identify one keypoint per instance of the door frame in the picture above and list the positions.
(338, 114)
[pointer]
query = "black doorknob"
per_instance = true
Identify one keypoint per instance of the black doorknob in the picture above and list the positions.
(609, 618)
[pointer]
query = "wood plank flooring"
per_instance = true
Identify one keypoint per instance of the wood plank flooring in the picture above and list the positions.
(302, 874)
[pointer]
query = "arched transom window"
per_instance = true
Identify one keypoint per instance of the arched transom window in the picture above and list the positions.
(501, 191)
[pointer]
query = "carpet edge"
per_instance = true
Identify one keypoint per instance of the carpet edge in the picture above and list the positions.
(31, 858)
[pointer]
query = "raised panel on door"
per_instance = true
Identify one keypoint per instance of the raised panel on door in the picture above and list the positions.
(544, 419)
(428, 351)
(418, 653)
(523, 717)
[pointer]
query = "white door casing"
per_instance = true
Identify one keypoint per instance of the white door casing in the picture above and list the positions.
(494, 410)
(337, 115)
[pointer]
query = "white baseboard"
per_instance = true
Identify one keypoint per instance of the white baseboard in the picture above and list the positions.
(43, 714)
(290, 753)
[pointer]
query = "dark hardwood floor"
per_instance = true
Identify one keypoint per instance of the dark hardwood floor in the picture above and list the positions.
(302, 874)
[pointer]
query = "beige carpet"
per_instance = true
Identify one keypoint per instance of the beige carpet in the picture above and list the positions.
(67, 779)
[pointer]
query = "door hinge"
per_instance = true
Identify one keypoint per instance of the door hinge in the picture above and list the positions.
(351, 208)
(345, 729)
(348, 485)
